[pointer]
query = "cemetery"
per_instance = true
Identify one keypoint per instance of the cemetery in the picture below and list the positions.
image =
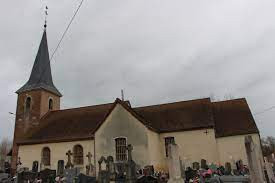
(129, 172)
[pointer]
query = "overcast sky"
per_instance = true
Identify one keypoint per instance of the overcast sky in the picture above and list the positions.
(156, 50)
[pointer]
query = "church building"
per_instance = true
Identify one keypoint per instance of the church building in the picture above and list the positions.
(202, 129)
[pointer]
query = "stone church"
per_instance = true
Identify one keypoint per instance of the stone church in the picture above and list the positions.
(202, 129)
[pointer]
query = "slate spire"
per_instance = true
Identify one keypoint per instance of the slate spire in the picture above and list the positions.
(41, 76)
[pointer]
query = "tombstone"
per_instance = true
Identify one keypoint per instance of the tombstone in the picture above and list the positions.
(174, 164)
(147, 179)
(111, 167)
(47, 175)
(60, 167)
(255, 169)
(270, 174)
(26, 176)
(35, 166)
(182, 169)
(103, 174)
(90, 169)
(148, 170)
(196, 165)
(120, 171)
(228, 169)
(69, 163)
(86, 179)
(3, 176)
(71, 174)
(204, 164)
(131, 170)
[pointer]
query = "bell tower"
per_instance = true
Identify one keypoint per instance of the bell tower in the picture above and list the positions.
(38, 96)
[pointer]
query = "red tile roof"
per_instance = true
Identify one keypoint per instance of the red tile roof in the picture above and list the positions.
(227, 117)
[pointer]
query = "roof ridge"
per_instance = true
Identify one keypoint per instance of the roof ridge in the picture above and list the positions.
(82, 107)
(242, 98)
(173, 102)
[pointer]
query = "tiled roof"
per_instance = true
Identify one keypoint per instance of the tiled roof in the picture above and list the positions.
(233, 117)
(227, 117)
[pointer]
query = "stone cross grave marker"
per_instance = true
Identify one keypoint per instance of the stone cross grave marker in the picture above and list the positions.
(69, 163)
(174, 164)
(256, 173)
(111, 167)
(90, 167)
(103, 174)
(131, 166)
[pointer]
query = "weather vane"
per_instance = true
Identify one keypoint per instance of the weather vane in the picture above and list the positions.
(46, 14)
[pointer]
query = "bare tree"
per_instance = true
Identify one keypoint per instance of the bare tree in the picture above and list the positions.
(268, 145)
(5, 146)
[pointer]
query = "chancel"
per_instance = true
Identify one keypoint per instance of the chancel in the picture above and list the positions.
(202, 129)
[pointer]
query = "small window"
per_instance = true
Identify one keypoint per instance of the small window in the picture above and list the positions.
(50, 104)
(46, 156)
(168, 140)
(78, 155)
(121, 154)
(28, 106)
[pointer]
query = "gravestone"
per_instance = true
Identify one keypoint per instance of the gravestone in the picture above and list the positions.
(196, 165)
(69, 163)
(71, 174)
(228, 169)
(270, 173)
(47, 175)
(204, 164)
(3, 176)
(148, 170)
(131, 176)
(90, 169)
(111, 168)
(182, 169)
(147, 179)
(120, 168)
(26, 176)
(60, 167)
(174, 164)
(255, 169)
(103, 174)
(35, 166)
(86, 179)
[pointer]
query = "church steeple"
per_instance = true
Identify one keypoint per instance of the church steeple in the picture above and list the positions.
(41, 76)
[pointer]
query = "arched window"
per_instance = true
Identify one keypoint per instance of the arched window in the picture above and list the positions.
(28, 106)
(78, 155)
(46, 156)
(121, 154)
(50, 104)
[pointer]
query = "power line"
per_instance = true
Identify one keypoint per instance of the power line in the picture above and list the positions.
(62, 37)
(266, 110)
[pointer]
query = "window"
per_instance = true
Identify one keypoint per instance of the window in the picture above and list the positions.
(28, 106)
(46, 156)
(121, 149)
(168, 140)
(78, 155)
(50, 104)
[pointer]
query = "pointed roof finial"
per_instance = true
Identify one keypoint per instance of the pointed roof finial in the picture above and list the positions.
(46, 14)
(122, 95)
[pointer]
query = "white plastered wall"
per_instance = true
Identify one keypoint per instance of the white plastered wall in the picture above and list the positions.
(234, 147)
(30, 153)
(193, 146)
